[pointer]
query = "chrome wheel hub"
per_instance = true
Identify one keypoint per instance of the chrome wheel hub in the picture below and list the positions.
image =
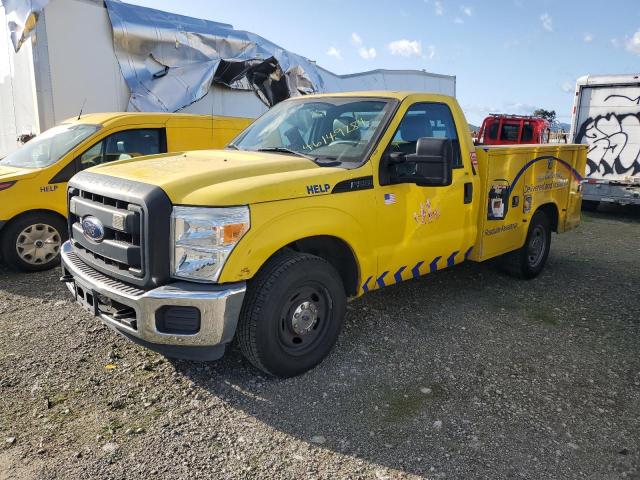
(304, 318)
(38, 244)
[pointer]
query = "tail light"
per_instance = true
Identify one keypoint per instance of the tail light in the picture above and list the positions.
(5, 185)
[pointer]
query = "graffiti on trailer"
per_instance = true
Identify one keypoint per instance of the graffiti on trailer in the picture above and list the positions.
(611, 151)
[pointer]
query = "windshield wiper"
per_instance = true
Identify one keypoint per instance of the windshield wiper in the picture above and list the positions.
(231, 146)
(286, 150)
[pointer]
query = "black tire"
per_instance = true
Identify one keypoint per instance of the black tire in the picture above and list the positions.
(528, 261)
(590, 205)
(53, 232)
(270, 335)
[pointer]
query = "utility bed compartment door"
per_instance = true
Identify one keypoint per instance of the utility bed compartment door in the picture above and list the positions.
(518, 180)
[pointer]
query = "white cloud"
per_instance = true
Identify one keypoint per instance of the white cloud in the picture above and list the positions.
(367, 53)
(458, 20)
(466, 10)
(615, 43)
(547, 22)
(364, 52)
(405, 48)
(567, 87)
(588, 38)
(633, 44)
(438, 7)
(334, 52)
(431, 52)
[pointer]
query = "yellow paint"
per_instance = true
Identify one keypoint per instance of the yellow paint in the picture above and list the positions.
(426, 229)
(33, 190)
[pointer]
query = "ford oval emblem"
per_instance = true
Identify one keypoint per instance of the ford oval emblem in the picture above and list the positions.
(93, 229)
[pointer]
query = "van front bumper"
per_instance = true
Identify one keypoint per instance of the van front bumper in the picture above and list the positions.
(138, 314)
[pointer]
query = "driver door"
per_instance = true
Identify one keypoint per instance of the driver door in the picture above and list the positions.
(422, 228)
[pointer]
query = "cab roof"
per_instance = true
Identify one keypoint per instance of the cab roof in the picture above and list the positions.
(394, 94)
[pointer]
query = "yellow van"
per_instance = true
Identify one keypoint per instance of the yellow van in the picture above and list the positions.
(33, 179)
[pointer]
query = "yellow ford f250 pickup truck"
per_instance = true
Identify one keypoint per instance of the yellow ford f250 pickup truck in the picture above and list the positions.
(33, 179)
(323, 198)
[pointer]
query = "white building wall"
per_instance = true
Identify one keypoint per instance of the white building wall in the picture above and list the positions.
(18, 110)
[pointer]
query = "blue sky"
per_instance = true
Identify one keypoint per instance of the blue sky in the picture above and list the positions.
(508, 55)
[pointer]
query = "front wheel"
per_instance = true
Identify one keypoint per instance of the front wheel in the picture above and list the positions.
(32, 242)
(528, 261)
(292, 314)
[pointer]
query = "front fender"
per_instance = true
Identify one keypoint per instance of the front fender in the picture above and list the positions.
(272, 229)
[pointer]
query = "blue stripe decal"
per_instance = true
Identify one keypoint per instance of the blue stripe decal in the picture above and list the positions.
(365, 286)
(398, 274)
(451, 261)
(573, 171)
(433, 266)
(416, 270)
(468, 252)
(380, 280)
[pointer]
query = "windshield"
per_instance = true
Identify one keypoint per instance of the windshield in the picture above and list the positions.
(335, 128)
(48, 147)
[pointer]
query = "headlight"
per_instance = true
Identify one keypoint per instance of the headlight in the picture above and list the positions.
(203, 238)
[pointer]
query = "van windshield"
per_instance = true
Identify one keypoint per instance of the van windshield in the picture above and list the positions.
(338, 129)
(50, 146)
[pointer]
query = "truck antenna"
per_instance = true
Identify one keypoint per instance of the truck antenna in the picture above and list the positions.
(82, 108)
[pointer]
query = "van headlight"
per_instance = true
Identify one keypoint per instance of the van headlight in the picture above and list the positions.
(203, 238)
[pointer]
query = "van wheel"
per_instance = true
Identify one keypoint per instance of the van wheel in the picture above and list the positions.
(590, 205)
(528, 261)
(292, 314)
(32, 242)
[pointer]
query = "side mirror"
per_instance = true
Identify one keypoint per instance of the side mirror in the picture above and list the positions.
(431, 165)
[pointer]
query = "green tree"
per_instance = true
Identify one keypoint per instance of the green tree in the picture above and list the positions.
(549, 115)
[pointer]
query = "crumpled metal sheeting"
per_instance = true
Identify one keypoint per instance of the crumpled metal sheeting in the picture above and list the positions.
(169, 61)
(22, 16)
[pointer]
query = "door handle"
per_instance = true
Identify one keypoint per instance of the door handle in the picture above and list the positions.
(468, 192)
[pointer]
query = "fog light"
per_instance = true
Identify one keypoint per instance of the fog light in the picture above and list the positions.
(178, 320)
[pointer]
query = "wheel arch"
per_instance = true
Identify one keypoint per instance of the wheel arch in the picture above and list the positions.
(551, 211)
(334, 235)
(338, 253)
(46, 211)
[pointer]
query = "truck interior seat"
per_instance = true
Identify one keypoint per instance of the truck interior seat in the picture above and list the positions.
(411, 129)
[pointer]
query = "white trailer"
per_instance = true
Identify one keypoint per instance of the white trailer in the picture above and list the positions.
(606, 117)
(70, 62)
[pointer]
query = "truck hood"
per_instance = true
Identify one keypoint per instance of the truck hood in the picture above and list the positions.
(8, 174)
(228, 177)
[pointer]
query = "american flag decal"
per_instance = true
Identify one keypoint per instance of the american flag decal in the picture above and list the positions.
(389, 198)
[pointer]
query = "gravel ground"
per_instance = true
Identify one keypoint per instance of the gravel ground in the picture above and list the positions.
(463, 374)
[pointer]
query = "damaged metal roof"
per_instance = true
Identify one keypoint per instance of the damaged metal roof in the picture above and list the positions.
(169, 61)
(22, 16)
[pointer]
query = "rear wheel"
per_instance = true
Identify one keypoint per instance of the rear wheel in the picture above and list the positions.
(292, 314)
(32, 242)
(528, 261)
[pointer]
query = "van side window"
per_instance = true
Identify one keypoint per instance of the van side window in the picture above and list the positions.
(433, 120)
(123, 145)
(527, 133)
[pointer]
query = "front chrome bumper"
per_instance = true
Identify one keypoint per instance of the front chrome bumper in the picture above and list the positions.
(219, 308)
